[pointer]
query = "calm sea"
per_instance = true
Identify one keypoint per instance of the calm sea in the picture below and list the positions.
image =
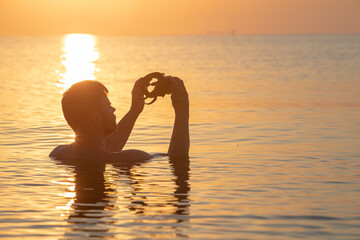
(275, 139)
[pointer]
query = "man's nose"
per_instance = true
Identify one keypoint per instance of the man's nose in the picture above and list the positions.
(113, 109)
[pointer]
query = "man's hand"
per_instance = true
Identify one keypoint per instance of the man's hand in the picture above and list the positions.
(179, 96)
(137, 103)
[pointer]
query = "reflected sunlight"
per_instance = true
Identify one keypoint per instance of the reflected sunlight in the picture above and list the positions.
(69, 194)
(79, 60)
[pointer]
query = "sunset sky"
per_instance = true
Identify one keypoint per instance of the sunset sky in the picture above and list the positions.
(178, 17)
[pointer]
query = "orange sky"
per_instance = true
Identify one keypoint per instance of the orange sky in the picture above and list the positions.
(178, 17)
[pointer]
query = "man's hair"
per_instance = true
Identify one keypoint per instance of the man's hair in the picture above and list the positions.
(80, 101)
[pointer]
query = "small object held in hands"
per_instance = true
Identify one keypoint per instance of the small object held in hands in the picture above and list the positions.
(161, 87)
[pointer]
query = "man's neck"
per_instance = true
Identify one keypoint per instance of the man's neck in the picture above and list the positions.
(90, 141)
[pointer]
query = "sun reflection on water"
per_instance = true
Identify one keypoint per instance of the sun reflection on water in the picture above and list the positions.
(78, 59)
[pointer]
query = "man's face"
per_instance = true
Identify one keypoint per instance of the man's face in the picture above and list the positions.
(108, 116)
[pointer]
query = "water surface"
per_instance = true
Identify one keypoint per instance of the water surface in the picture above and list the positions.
(275, 139)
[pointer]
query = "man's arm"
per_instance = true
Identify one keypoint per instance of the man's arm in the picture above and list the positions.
(117, 140)
(180, 140)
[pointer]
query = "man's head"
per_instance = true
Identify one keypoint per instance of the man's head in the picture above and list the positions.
(85, 105)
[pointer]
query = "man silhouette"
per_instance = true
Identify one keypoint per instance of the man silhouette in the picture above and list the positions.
(89, 113)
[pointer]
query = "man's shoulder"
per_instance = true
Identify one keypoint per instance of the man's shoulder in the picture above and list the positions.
(60, 151)
(130, 155)
(67, 152)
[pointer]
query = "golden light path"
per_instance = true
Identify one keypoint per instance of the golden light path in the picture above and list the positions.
(79, 60)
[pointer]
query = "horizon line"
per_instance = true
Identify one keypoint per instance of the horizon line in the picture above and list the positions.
(178, 35)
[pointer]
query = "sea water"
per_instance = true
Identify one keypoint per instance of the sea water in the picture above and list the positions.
(275, 139)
